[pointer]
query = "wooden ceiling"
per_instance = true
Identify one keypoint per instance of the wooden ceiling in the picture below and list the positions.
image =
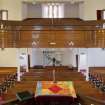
(52, 33)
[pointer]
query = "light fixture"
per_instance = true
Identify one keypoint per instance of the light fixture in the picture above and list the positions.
(34, 43)
(71, 43)
(38, 28)
(103, 25)
(35, 35)
(103, 31)
(68, 28)
(52, 43)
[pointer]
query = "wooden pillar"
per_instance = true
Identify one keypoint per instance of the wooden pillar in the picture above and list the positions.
(83, 66)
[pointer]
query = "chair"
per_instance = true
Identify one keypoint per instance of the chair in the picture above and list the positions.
(55, 100)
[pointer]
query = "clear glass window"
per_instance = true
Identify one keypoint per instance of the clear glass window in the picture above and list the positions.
(53, 10)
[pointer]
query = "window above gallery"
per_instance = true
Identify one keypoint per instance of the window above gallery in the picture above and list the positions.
(53, 10)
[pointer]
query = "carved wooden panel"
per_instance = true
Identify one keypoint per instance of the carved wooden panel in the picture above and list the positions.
(63, 32)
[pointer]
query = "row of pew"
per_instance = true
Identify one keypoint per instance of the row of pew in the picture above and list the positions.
(87, 92)
(53, 74)
(10, 97)
(97, 77)
(8, 77)
(9, 86)
(29, 80)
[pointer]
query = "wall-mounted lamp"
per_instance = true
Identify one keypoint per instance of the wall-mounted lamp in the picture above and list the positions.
(52, 43)
(71, 43)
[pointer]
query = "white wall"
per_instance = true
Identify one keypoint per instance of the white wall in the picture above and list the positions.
(0, 5)
(31, 10)
(68, 57)
(71, 10)
(24, 10)
(90, 7)
(34, 11)
(87, 11)
(96, 57)
(14, 8)
(81, 10)
(36, 57)
(8, 57)
(22, 54)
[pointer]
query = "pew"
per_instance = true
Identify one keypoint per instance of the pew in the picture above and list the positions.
(10, 96)
(60, 75)
(97, 77)
(87, 92)
(7, 78)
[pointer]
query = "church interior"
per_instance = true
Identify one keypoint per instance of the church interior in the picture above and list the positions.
(52, 52)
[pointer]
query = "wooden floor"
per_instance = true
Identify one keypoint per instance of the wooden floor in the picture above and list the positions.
(87, 93)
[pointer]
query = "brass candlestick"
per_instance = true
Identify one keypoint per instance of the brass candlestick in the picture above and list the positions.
(54, 76)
